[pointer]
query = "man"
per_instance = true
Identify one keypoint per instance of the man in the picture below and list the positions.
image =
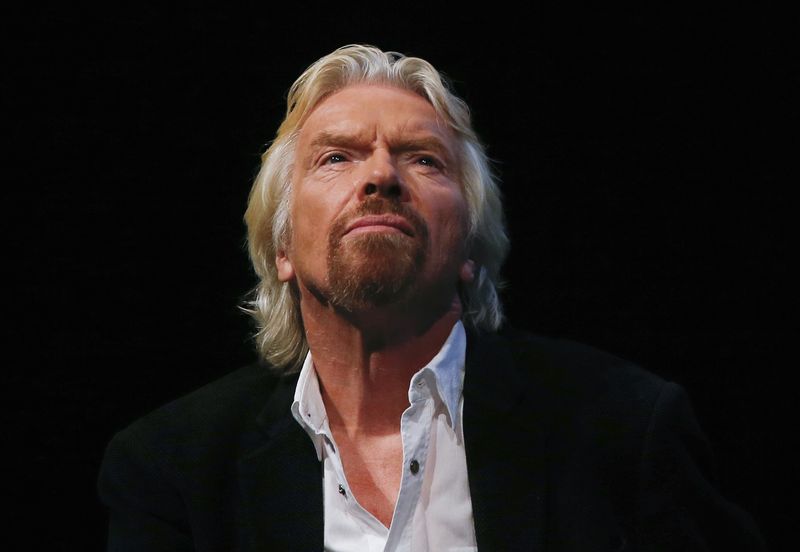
(392, 410)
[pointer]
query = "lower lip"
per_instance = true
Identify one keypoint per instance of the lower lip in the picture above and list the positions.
(375, 228)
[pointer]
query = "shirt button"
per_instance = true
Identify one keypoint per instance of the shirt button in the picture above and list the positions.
(414, 467)
(342, 491)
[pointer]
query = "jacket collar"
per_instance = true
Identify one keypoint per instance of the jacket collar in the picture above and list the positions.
(281, 481)
(505, 449)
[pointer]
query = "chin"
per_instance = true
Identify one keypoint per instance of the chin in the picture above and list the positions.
(375, 270)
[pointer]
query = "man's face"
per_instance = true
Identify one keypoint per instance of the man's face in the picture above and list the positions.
(377, 214)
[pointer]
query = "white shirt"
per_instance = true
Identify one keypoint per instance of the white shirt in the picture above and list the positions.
(433, 509)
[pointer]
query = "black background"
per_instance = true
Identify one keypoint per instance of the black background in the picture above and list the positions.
(643, 160)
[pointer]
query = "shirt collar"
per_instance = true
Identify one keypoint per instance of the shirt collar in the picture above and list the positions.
(308, 408)
(444, 374)
(447, 371)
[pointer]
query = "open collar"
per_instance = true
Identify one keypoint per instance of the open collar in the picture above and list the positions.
(281, 479)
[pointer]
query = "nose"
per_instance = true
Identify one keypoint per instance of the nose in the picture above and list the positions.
(381, 178)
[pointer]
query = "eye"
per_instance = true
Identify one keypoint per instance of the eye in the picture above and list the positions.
(334, 158)
(428, 161)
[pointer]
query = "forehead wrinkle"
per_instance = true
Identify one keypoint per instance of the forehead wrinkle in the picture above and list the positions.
(334, 137)
(420, 135)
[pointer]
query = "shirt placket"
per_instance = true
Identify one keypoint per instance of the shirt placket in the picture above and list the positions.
(373, 532)
(415, 431)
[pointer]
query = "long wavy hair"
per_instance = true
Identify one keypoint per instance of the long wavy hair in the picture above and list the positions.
(274, 304)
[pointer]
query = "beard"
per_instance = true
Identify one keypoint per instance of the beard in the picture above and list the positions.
(375, 269)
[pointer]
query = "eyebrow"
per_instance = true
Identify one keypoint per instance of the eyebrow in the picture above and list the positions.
(328, 138)
(422, 143)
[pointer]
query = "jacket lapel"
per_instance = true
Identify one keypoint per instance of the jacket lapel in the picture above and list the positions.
(281, 482)
(505, 450)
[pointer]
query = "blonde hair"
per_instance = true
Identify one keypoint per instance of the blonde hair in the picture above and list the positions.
(280, 337)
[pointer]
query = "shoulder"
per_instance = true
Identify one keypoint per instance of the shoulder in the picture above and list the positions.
(569, 367)
(238, 394)
(619, 439)
(163, 473)
(218, 419)
(577, 387)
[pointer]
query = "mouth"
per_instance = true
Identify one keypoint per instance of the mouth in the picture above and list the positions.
(380, 223)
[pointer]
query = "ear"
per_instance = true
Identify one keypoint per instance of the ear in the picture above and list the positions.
(467, 273)
(284, 266)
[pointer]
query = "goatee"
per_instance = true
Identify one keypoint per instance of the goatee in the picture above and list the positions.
(375, 268)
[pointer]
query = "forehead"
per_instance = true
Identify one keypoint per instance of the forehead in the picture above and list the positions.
(372, 110)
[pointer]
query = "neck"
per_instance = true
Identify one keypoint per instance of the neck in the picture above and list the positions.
(365, 361)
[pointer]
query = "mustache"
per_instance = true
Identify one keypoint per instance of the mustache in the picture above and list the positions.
(380, 206)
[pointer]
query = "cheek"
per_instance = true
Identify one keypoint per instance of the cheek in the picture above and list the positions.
(308, 214)
(314, 211)
(458, 215)
(452, 226)
(319, 201)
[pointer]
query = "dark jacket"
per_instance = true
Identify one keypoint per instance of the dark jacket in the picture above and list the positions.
(568, 448)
